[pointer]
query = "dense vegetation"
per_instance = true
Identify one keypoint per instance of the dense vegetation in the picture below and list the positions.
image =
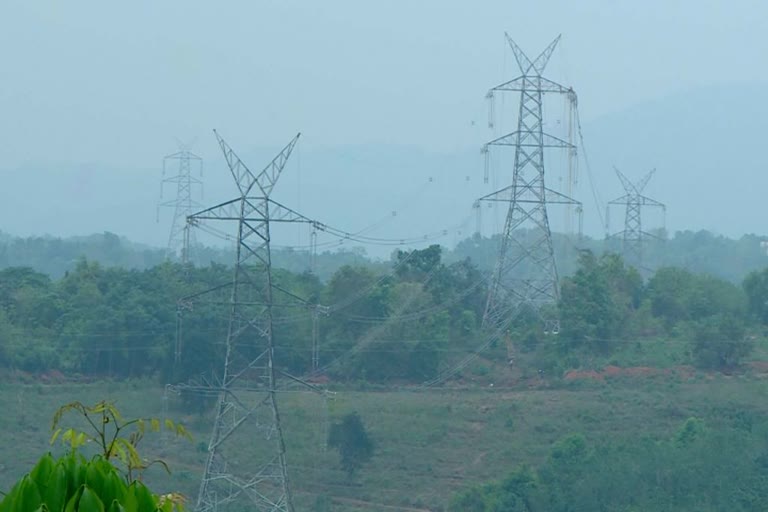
(405, 324)
(696, 469)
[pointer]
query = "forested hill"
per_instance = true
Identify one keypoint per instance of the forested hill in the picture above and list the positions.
(409, 323)
(56, 256)
(699, 252)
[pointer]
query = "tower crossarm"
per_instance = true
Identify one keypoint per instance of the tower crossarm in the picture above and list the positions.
(184, 153)
(251, 209)
(647, 201)
(529, 139)
(506, 195)
(281, 213)
(652, 235)
(527, 83)
(623, 200)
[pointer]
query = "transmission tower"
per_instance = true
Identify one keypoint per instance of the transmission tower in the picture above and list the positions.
(633, 236)
(246, 464)
(182, 204)
(525, 275)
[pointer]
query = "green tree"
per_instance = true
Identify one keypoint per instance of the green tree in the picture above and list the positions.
(597, 302)
(677, 296)
(416, 264)
(513, 494)
(720, 342)
(352, 441)
(756, 287)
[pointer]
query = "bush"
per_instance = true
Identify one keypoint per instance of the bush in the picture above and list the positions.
(350, 438)
(75, 484)
(720, 343)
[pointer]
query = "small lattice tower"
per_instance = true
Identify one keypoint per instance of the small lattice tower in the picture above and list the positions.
(187, 164)
(633, 237)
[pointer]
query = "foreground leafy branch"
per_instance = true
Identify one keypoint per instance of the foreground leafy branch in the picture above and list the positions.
(73, 483)
(115, 437)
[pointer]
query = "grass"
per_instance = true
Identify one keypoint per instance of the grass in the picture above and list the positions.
(429, 444)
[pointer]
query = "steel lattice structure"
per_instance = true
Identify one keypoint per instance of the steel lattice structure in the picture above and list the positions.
(633, 236)
(247, 409)
(525, 273)
(182, 204)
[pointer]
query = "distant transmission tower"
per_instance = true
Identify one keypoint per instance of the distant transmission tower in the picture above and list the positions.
(525, 275)
(182, 204)
(633, 236)
(246, 464)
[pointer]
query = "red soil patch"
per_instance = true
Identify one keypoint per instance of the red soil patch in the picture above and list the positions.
(584, 375)
(642, 372)
(758, 366)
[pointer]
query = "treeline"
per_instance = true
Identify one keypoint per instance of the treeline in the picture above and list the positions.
(697, 469)
(406, 323)
(101, 321)
(55, 256)
(606, 309)
(696, 251)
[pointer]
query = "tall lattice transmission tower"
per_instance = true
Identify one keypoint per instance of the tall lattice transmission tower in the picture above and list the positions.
(526, 275)
(186, 165)
(246, 462)
(633, 237)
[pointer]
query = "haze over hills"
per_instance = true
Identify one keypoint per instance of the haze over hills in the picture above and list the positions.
(705, 144)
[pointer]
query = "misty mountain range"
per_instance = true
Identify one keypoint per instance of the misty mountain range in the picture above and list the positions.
(705, 144)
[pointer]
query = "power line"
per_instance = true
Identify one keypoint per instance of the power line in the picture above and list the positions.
(592, 184)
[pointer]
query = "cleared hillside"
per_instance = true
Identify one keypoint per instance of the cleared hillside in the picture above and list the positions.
(429, 443)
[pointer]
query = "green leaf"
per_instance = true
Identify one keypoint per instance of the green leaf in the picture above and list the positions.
(56, 491)
(72, 503)
(42, 470)
(8, 504)
(94, 477)
(70, 464)
(29, 495)
(119, 452)
(144, 500)
(80, 472)
(116, 507)
(55, 435)
(130, 503)
(114, 487)
(90, 502)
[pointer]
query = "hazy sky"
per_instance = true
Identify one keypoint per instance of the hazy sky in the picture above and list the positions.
(95, 81)
(102, 86)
